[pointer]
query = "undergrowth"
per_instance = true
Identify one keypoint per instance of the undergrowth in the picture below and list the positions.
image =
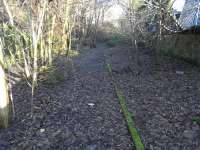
(51, 76)
(113, 41)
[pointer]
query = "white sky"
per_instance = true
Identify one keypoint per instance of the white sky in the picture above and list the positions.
(113, 13)
(178, 5)
(116, 11)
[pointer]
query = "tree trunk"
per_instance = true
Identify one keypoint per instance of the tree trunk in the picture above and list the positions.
(5, 109)
(4, 100)
(159, 36)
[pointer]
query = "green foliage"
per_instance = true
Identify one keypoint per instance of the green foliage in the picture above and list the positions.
(52, 75)
(137, 4)
(170, 4)
(14, 41)
(196, 119)
(168, 48)
(57, 44)
(114, 41)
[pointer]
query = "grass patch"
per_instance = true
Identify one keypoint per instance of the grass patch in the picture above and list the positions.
(127, 115)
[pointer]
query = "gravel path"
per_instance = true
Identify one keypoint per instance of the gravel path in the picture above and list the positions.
(83, 113)
(164, 99)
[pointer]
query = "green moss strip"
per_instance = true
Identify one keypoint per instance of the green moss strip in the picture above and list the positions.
(131, 125)
(134, 134)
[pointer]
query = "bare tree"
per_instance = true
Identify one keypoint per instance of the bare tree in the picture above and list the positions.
(36, 30)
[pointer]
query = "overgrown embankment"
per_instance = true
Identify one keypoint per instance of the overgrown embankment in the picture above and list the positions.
(184, 46)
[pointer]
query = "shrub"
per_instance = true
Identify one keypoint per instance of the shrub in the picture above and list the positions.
(114, 41)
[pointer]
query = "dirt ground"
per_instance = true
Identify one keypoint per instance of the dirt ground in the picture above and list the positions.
(82, 111)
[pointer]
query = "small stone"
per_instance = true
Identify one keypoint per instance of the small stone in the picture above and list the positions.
(157, 148)
(189, 134)
(179, 72)
(44, 143)
(151, 147)
(195, 127)
(175, 148)
(91, 104)
(56, 133)
(163, 137)
(42, 130)
(91, 147)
